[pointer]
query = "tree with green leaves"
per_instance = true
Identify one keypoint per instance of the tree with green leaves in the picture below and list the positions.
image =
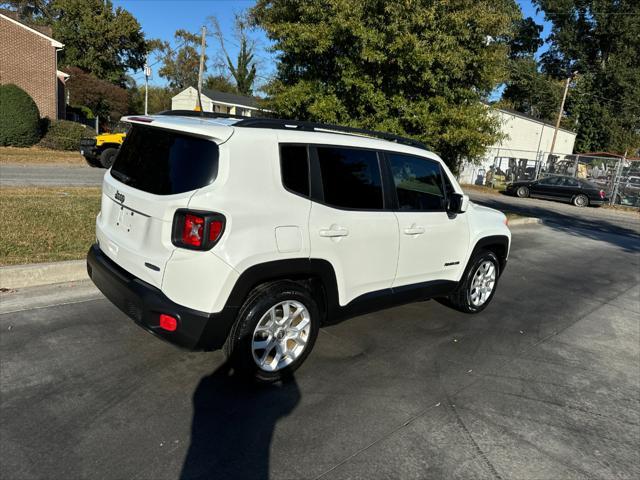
(180, 63)
(159, 99)
(528, 90)
(219, 83)
(245, 69)
(598, 39)
(97, 38)
(413, 67)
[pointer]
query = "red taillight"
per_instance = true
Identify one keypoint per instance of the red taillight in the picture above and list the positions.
(197, 230)
(168, 323)
(602, 194)
(192, 230)
(215, 229)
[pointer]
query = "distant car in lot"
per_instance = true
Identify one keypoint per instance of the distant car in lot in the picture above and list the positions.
(629, 191)
(559, 187)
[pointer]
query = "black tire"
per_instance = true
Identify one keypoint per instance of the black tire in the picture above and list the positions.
(238, 347)
(460, 299)
(92, 162)
(580, 200)
(107, 157)
(618, 200)
(522, 192)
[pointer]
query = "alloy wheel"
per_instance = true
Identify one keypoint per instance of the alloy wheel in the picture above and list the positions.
(281, 335)
(483, 283)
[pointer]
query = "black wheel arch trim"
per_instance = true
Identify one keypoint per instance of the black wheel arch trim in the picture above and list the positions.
(326, 292)
(502, 251)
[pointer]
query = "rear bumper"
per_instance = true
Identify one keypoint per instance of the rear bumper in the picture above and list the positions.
(144, 303)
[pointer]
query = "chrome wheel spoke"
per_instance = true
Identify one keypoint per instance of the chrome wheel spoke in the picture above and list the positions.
(262, 344)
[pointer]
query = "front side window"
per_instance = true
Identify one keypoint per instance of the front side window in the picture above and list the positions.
(294, 167)
(350, 178)
(418, 182)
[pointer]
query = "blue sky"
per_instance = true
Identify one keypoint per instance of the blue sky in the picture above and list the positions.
(161, 18)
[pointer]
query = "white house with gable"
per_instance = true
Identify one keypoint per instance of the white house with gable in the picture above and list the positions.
(213, 101)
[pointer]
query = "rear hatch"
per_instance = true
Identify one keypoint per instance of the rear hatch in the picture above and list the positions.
(156, 172)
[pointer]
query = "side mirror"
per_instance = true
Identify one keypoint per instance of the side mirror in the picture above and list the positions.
(458, 203)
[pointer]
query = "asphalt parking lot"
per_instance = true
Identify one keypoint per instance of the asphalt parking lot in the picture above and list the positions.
(544, 384)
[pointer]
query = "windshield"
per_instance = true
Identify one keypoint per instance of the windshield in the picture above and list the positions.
(164, 162)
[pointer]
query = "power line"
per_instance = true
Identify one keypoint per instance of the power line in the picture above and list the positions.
(592, 13)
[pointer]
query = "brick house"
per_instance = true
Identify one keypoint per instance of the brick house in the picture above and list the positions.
(28, 59)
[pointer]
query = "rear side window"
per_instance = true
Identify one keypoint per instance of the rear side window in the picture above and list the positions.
(418, 182)
(294, 167)
(570, 182)
(164, 162)
(350, 178)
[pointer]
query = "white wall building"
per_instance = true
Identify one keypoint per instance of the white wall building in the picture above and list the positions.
(527, 143)
(212, 101)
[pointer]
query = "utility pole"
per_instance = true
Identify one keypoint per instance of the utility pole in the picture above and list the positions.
(201, 71)
(564, 97)
(147, 74)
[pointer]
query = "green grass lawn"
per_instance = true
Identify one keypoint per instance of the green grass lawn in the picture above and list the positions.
(46, 224)
(38, 155)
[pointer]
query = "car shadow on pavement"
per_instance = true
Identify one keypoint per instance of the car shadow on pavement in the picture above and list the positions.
(233, 424)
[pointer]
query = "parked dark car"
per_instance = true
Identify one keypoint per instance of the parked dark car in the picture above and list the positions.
(558, 187)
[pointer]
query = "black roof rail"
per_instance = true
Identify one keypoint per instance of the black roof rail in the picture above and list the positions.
(283, 124)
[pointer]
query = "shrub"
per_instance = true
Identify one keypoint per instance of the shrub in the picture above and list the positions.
(19, 117)
(65, 135)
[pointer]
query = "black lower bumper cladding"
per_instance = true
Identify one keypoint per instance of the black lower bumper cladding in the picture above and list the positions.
(144, 304)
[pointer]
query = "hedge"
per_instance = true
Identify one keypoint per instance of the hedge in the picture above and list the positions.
(65, 135)
(19, 117)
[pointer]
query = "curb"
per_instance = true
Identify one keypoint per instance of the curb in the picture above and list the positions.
(524, 221)
(35, 274)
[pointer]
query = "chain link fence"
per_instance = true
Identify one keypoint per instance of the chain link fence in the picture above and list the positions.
(618, 177)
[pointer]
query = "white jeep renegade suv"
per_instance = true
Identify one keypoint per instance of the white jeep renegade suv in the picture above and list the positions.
(251, 233)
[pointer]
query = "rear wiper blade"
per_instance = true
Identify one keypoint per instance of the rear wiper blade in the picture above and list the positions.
(121, 176)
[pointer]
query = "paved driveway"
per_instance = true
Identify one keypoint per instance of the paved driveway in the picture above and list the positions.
(544, 384)
(561, 214)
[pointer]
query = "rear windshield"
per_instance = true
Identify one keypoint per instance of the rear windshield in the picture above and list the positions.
(164, 162)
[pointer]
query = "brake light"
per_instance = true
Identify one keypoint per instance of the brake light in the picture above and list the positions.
(602, 194)
(192, 230)
(197, 230)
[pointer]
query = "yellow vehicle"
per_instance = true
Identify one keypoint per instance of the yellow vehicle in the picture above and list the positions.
(101, 150)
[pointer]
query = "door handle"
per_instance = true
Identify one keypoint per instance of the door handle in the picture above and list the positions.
(334, 232)
(414, 230)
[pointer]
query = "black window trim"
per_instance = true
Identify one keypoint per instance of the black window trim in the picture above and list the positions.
(389, 196)
(296, 144)
(317, 190)
(394, 192)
